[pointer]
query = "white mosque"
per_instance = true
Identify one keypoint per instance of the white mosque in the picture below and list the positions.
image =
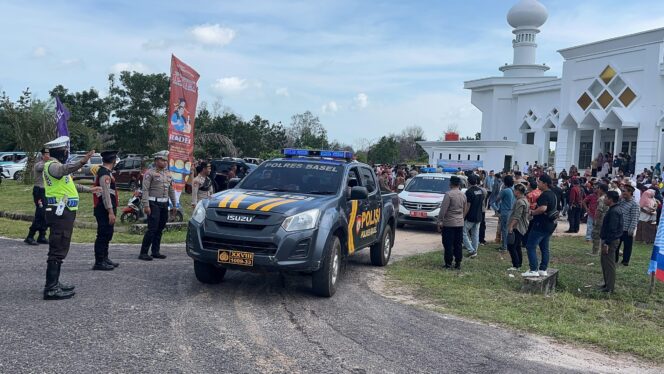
(610, 98)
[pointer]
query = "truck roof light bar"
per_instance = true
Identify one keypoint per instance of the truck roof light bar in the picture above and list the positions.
(343, 155)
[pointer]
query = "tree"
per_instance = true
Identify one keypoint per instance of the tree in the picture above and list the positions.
(139, 103)
(32, 123)
(386, 151)
(306, 131)
(409, 150)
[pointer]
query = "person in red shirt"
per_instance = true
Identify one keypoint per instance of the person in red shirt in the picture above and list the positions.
(590, 205)
(575, 203)
(533, 194)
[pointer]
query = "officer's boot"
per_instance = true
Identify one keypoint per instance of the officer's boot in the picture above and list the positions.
(108, 260)
(42, 238)
(52, 289)
(100, 264)
(30, 239)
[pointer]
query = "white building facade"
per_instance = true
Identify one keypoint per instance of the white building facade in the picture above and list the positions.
(610, 99)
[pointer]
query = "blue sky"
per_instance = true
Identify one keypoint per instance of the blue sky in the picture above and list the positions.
(366, 68)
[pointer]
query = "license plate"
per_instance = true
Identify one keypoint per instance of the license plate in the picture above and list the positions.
(418, 214)
(235, 258)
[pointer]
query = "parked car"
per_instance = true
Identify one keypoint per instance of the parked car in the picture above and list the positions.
(220, 170)
(11, 157)
(128, 172)
(420, 198)
(253, 160)
(85, 172)
(14, 170)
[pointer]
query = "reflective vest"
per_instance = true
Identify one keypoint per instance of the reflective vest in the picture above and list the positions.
(57, 189)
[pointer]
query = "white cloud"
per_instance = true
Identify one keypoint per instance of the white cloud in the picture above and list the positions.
(230, 85)
(283, 91)
(157, 44)
(39, 52)
(361, 100)
(213, 35)
(138, 67)
(330, 107)
(70, 63)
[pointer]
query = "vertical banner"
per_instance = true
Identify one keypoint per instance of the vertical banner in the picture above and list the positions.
(62, 115)
(181, 116)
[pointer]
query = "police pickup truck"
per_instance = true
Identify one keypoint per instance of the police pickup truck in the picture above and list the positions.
(304, 212)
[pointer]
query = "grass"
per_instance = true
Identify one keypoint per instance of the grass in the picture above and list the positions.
(17, 197)
(628, 321)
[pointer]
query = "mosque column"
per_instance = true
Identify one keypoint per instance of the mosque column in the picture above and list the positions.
(597, 142)
(617, 145)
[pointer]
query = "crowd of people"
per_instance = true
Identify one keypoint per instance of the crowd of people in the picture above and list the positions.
(618, 205)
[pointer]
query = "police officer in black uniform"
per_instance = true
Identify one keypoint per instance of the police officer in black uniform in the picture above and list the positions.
(39, 198)
(105, 209)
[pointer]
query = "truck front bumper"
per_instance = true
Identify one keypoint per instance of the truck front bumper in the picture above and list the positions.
(279, 251)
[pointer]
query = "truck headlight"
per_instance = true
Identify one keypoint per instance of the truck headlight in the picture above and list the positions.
(199, 212)
(303, 221)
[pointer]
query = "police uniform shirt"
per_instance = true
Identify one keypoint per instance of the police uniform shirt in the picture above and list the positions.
(58, 170)
(201, 189)
(108, 191)
(158, 184)
(38, 174)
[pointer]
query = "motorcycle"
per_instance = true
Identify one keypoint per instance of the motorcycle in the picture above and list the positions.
(133, 212)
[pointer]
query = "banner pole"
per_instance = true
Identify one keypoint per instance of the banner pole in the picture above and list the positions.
(652, 283)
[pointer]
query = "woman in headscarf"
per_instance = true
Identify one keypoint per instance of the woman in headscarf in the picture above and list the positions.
(647, 227)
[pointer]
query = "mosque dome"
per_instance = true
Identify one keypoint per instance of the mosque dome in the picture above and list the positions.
(527, 13)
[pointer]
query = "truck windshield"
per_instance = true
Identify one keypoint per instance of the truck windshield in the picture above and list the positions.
(292, 176)
(429, 184)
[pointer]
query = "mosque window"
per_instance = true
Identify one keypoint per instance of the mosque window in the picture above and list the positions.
(584, 101)
(605, 99)
(617, 85)
(478, 157)
(607, 74)
(449, 156)
(627, 97)
(596, 88)
(459, 157)
(468, 157)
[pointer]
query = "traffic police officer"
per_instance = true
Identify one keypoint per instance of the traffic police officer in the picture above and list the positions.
(39, 222)
(157, 190)
(105, 208)
(62, 203)
(201, 187)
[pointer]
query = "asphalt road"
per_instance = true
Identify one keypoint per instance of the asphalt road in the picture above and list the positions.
(156, 317)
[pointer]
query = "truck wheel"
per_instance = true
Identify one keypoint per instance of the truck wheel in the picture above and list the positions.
(381, 251)
(400, 225)
(132, 186)
(18, 176)
(324, 280)
(208, 273)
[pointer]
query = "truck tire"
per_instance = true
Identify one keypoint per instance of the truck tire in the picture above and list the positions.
(324, 280)
(132, 186)
(208, 273)
(381, 251)
(401, 225)
(18, 176)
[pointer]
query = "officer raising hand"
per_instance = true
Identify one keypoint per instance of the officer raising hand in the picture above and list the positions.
(62, 204)
(157, 191)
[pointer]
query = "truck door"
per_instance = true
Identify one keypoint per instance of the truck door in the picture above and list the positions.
(355, 210)
(374, 204)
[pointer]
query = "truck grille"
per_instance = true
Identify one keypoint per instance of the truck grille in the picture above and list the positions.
(261, 248)
(425, 207)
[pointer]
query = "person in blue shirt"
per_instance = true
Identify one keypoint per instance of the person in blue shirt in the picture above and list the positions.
(505, 202)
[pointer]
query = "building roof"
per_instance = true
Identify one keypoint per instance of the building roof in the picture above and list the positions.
(622, 42)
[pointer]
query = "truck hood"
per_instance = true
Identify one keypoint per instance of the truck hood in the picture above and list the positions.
(287, 203)
(422, 197)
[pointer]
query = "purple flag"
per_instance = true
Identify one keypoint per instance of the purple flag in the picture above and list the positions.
(62, 116)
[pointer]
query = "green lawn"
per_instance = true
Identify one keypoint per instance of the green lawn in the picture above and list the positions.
(628, 321)
(17, 197)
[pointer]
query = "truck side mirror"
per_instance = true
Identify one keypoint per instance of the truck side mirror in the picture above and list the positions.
(400, 187)
(359, 193)
(233, 182)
